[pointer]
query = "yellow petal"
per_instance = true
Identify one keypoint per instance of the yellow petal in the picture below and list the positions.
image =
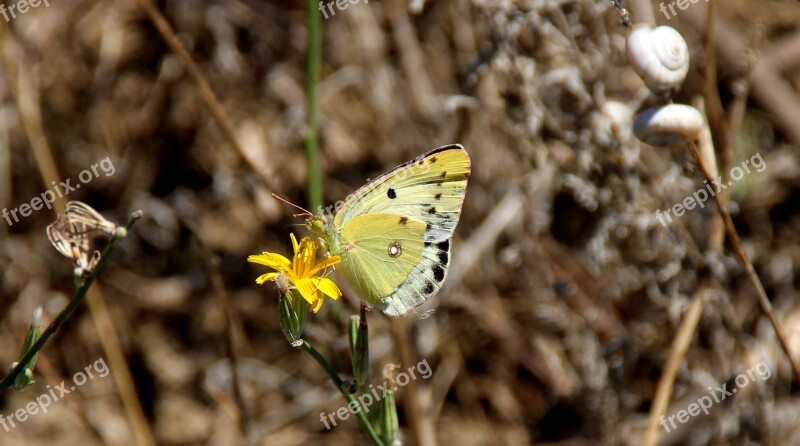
(265, 277)
(318, 305)
(272, 260)
(324, 263)
(327, 286)
(294, 243)
(307, 290)
(304, 258)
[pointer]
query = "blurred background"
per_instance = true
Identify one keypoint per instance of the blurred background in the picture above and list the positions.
(565, 293)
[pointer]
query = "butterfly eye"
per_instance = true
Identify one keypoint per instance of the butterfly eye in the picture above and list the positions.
(395, 249)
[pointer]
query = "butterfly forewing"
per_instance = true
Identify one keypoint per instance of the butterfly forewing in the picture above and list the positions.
(430, 188)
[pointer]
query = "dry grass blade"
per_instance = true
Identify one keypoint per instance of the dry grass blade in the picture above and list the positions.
(676, 354)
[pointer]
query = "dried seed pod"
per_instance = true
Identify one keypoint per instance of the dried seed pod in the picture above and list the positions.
(668, 125)
(659, 56)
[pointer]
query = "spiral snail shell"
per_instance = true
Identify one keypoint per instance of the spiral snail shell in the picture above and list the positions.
(669, 125)
(659, 56)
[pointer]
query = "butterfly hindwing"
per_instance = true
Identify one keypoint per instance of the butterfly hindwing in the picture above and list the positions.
(425, 281)
(389, 264)
(381, 253)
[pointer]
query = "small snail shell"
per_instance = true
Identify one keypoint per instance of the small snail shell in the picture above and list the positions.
(669, 125)
(659, 56)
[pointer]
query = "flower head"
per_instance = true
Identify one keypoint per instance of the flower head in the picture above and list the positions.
(300, 272)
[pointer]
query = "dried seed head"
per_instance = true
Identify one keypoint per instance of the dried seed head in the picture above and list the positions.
(71, 234)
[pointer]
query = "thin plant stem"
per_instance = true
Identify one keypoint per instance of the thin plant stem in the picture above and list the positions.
(311, 143)
(80, 294)
(340, 384)
(738, 248)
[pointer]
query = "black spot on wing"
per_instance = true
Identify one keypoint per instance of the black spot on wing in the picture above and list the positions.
(428, 288)
(438, 196)
(432, 210)
(433, 159)
(438, 273)
(443, 258)
(444, 246)
(427, 244)
(444, 174)
(403, 220)
(428, 226)
(391, 194)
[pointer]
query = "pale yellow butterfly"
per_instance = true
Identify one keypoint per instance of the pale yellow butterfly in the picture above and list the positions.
(395, 234)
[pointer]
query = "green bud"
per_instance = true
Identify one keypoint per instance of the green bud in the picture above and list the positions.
(25, 377)
(359, 349)
(293, 316)
(388, 419)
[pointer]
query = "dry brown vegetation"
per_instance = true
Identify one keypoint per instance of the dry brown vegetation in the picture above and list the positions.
(565, 293)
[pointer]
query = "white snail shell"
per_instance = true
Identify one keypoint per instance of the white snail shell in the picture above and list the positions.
(669, 125)
(659, 56)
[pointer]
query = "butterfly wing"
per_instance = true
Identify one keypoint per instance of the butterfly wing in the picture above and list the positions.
(430, 188)
(413, 208)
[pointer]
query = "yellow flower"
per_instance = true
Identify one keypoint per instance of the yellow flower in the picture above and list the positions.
(299, 273)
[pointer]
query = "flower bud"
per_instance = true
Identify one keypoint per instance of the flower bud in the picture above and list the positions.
(25, 377)
(359, 349)
(293, 310)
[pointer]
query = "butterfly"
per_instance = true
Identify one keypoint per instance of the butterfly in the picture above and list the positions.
(395, 233)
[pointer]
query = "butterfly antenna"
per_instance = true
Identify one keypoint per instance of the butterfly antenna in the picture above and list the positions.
(306, 212)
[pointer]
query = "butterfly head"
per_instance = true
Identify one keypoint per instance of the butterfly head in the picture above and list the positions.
(316, 224)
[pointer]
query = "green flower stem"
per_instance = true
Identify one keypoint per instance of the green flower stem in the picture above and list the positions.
(340, 384)
(71, 306)
(312, 100)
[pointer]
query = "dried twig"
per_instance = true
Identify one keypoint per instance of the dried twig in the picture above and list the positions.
(212, 265)
(206, 93)
(738, 248)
